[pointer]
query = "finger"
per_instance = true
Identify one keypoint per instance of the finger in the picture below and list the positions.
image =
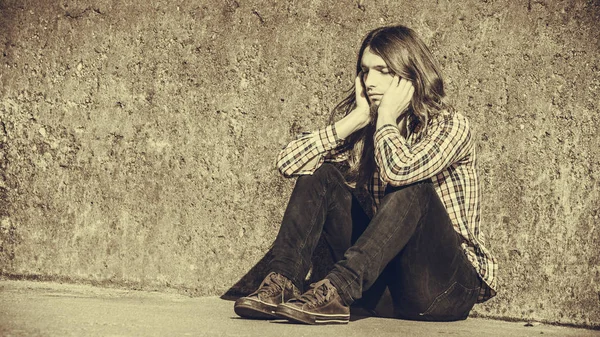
(394, 86)
(397, 80)
(404, 83)
(411, 88)
(358, 85)
(409, 93)
(405, 87)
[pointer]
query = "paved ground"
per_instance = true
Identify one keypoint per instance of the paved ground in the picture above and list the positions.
(52, 309)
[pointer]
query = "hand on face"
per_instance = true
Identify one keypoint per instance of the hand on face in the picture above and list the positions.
(396, 98)
(362, 111)
(361, 98)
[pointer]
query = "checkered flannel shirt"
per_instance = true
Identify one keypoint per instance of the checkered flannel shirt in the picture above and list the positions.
(446, 154)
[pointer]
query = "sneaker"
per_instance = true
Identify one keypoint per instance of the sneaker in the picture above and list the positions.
(320, 305)
(261, 304)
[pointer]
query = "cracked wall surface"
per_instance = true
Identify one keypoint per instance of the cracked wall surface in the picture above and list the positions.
(137, 139)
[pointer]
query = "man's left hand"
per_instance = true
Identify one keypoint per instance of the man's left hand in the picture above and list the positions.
(396, 99)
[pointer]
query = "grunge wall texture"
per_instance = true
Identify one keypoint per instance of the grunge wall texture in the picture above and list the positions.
(137, 138)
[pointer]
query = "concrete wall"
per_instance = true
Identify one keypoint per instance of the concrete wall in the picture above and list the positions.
(137, 138)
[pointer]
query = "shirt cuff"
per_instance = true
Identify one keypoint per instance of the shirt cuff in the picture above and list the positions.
(327, 139)
(384, 131)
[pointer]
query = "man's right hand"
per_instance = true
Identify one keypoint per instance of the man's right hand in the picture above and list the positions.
(360, 116)
(361, 98)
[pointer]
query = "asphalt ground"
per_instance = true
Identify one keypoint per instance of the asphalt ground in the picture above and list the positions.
(52, 309)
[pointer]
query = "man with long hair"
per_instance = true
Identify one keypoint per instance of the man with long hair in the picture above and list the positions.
(419, 235)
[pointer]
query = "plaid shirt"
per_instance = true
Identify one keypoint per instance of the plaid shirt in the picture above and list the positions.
(445, 154)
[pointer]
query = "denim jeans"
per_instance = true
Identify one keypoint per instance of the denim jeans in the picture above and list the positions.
(409, 247)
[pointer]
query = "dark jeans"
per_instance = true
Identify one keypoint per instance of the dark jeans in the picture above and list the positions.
(409, 246)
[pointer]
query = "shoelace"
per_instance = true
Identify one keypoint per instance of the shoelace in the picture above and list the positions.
(319, 294)
(271, 285)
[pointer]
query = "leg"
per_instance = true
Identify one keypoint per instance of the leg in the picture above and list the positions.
(386, 235)
(429, 275)
(320, 204)
(388, 232)
(431, 278)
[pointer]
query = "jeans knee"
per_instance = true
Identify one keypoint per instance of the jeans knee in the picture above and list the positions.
(325, 173)
(327, 169)
(420, 189)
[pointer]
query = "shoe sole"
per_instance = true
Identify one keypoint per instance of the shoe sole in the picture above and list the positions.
(250, 308)
(296, 315)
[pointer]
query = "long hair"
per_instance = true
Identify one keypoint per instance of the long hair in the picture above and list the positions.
(406, 56)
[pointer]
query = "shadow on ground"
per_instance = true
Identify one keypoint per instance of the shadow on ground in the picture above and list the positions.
(322, 263)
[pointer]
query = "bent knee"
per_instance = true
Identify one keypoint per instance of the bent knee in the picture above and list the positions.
(326, 174)
(420, 187)
(327, 170)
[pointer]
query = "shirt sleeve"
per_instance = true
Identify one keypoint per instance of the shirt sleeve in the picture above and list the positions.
(324, 144)
(445, 143)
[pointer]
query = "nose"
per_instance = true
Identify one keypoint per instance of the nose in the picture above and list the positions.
(369, 80)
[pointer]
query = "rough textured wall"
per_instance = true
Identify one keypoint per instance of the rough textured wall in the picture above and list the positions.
(137, 139)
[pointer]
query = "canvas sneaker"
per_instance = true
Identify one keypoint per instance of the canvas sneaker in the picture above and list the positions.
(261, 304)
(322, 304)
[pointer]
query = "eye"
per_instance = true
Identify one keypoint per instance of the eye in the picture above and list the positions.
(385, 71)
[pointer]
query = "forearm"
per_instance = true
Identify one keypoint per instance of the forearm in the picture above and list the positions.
(303, 155)
(399, 163)
(311, 164)
(383, 119)
(351, 123)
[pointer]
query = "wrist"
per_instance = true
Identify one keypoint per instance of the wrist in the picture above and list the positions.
(383, 119)
(360, 117)
(349, 124)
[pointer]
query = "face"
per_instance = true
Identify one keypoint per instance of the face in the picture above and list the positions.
(376, 75)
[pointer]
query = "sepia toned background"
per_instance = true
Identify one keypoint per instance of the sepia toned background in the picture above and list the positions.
(137, 138)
